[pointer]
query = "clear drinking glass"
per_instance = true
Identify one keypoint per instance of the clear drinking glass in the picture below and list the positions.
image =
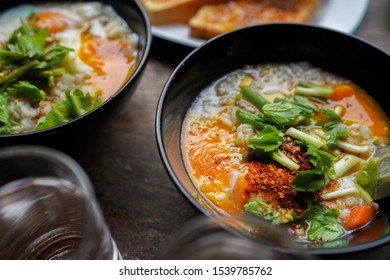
(48, 209)
(231, 237)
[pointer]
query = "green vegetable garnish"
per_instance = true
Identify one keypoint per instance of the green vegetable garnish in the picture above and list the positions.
(27, 60)
(307, 89)
(26, 42)
(368, 177)
(265, 210)
(318, 177)
(334, 129)
(5, 127)
(281, 114)
(307, 109)
(322, 221)
(253, 97)
(25, 89)
(246, 117)
(74, 105)
(267, 140)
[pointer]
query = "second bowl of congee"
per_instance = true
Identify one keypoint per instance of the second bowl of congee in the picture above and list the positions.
(61, 61)
(289, 128)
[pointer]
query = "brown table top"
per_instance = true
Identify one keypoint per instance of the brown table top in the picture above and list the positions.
(141, 205)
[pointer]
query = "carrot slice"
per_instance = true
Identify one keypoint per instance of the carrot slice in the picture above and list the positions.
(359, 216)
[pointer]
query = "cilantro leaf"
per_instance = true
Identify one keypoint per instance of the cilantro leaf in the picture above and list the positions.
(310, 180)
(321, 158)
(267, 140)
(266, 211)
(323, 224)
(318, 177)
(334, 129)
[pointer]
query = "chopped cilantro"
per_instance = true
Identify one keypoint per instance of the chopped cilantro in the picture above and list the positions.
(318, 177)
(322, 223)
(265, 210)
(334, 128)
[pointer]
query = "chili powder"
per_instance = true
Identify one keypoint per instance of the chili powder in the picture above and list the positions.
(272, 184)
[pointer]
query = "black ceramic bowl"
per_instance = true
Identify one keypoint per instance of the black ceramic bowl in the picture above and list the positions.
(336, 52)
(134, 15)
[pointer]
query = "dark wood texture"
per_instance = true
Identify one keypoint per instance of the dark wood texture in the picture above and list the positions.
(141, 205)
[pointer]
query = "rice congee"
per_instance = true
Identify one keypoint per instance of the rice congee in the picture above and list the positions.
(59, 61)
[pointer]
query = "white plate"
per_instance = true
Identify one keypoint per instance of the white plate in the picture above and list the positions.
(341, 15)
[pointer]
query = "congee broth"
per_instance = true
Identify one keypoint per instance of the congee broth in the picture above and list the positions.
(60, 60)
(291, 143)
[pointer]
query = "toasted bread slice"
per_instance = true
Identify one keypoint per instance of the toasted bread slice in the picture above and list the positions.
(173, 11)
(212, 20)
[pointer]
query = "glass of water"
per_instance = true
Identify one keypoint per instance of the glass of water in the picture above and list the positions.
(48, 209)
(234, 237)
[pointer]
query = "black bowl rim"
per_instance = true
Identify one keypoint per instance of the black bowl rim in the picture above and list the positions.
(191, 56)
(141, 65)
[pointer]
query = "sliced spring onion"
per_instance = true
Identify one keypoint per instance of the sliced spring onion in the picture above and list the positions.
(363, 194)
(343, 165)
(253, 97)
(244, 116)
(357, 149)
(339, 110)
(307, 89)
(309, 139)
(284, 160)
(18, 72)
(318, 133)
(340, 193)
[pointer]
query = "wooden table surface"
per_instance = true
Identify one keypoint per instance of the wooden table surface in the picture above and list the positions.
(141, 205)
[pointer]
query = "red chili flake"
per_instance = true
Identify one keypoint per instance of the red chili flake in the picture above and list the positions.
(273, 184)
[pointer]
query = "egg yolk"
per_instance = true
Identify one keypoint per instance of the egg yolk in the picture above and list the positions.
(211, 161)
(55, 21)
(111, 59)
